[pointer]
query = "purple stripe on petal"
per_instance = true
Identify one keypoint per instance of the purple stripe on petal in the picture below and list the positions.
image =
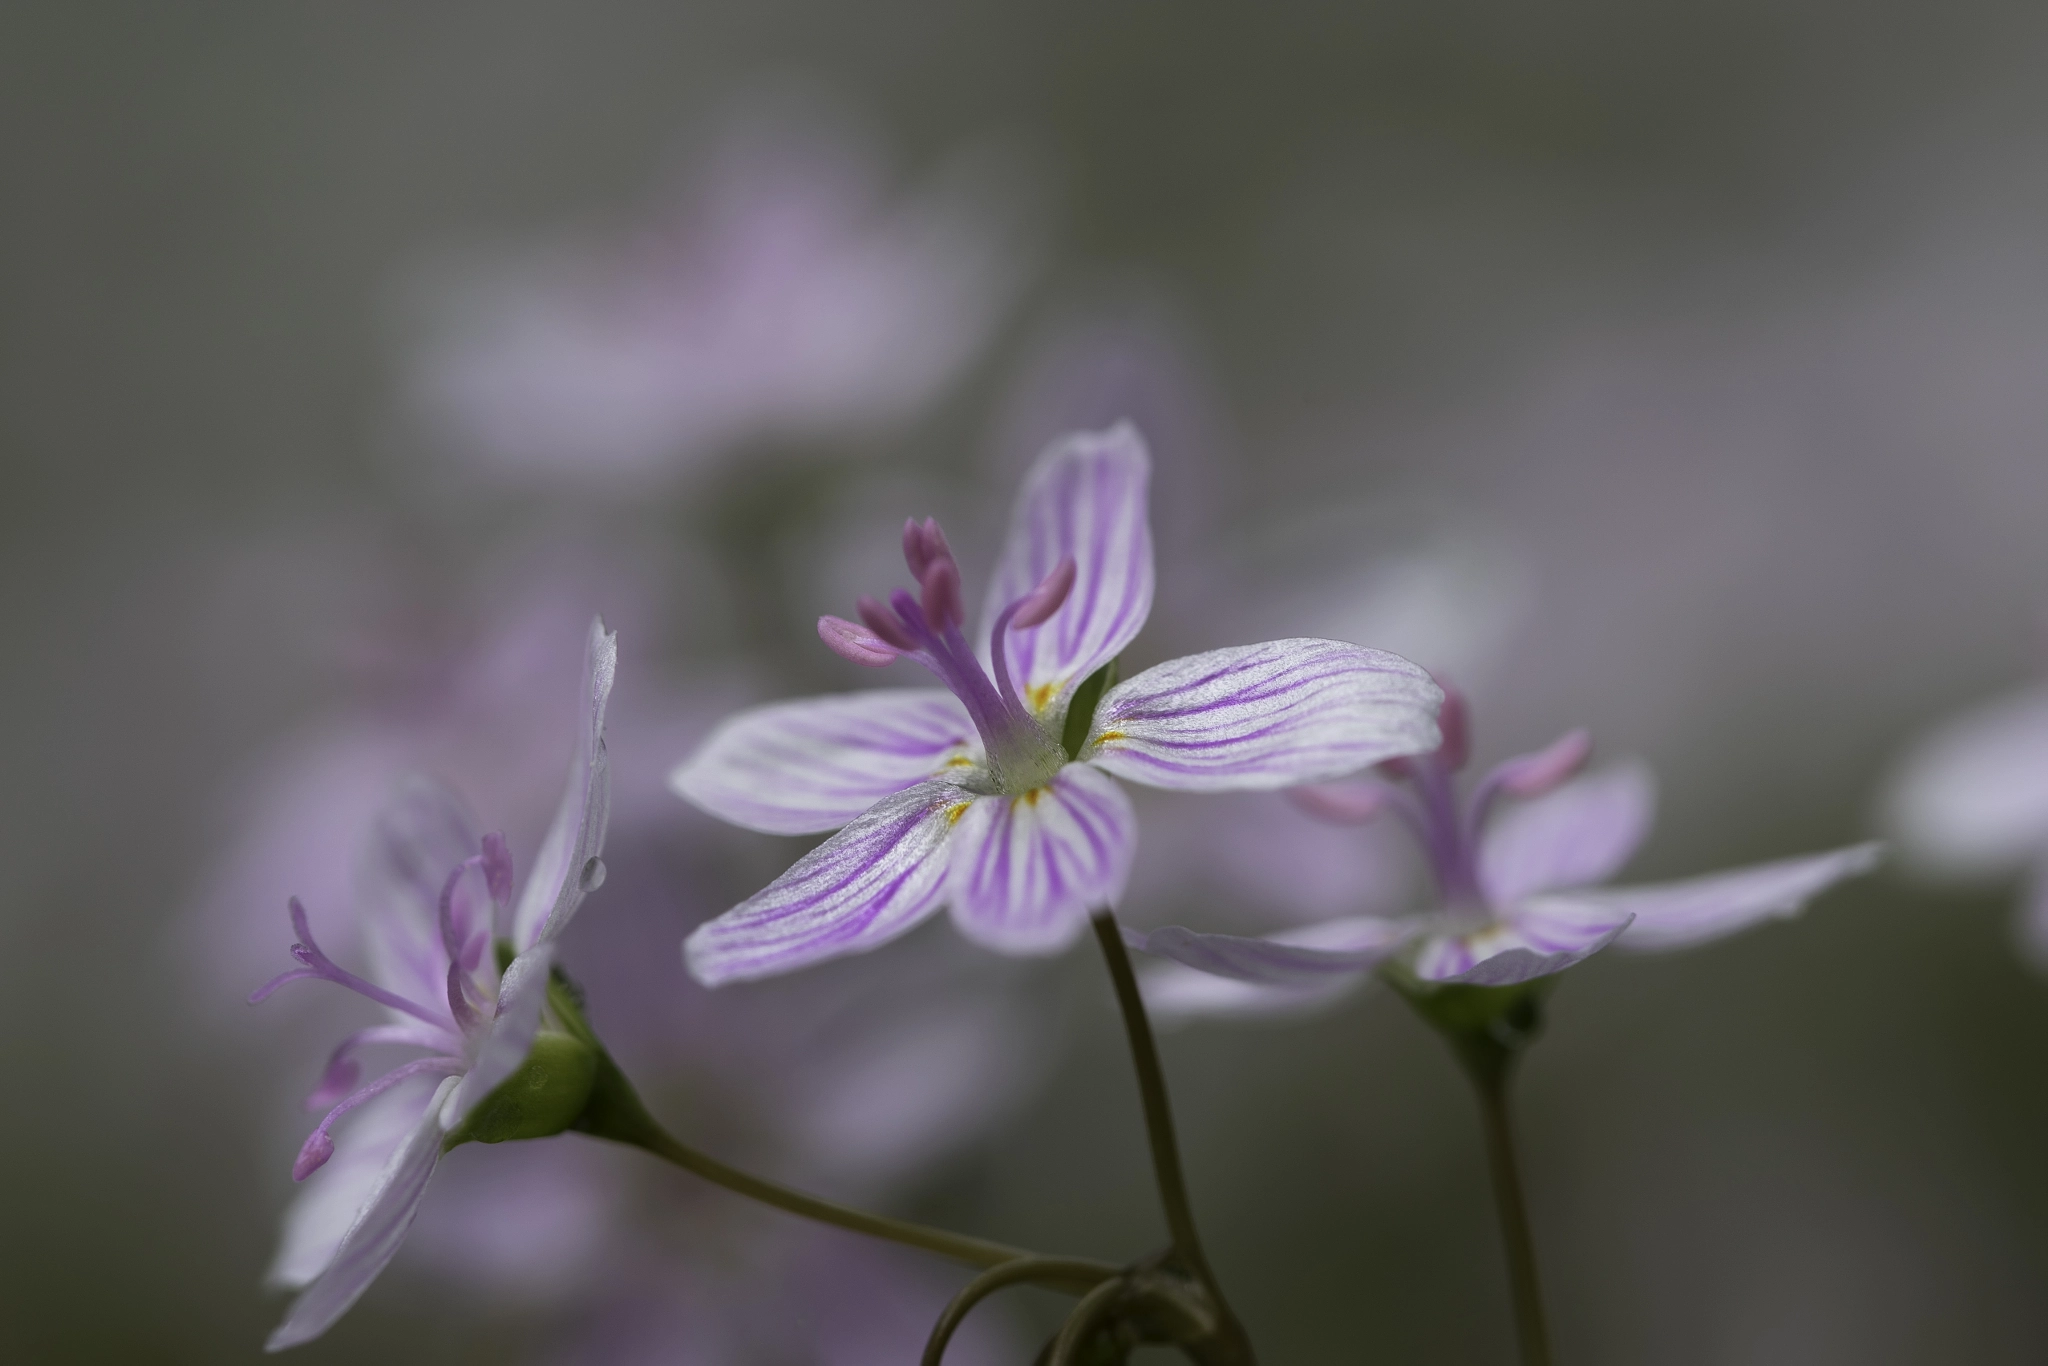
(1265, 716)
(1674, 915)
(796, 768)
(1305, 957)
(374, 1238)
(1027, 870)
(869, 883)
(324, 1208)
(1085, 498)
(1542, 936)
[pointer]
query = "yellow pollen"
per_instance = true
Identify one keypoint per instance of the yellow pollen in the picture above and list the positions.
(1040, 695)
(959, 761)
(1031, 797)
(956, 811)
(1108, 735)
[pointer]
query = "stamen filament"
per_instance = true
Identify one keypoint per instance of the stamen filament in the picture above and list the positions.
(318, 964)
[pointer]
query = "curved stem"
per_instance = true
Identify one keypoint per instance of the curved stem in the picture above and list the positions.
(1086, 1315)
(1065, 1271)
(616, 1112)
(1491, 1082)
(1173, 1189)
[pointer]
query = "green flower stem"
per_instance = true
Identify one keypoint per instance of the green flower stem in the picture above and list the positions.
(1088, 1314)
(617, 1113)
(1488, 1028)
(1231, 1344)
(1490, 1078)
(1023, 1271)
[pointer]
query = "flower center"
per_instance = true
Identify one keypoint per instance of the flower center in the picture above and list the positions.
(1022, 754)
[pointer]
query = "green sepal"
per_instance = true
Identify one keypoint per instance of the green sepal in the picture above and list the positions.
(1081, 708)
(1487, 1026)
(553, 1088)
(543, 1098)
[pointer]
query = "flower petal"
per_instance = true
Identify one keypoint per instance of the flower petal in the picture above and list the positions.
(1580, 833)
(1673, 915)
(1307, 956)
(374, 1238)
(1972, 798)
(326, 1204)
(1027, 870)
(858, 890)
(1264, 716)
(1086, 497)
(520, 998)
(421, 833)
(568, 868)
(1541, 936)
(800, 768)
(1175, 994)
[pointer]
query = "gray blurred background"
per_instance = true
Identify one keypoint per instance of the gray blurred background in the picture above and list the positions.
(1680, 372)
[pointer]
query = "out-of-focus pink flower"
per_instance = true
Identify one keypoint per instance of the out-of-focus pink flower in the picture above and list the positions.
(982, 796)
(785, 296)
(1970, 800)
(434, 937)
(1516, 887)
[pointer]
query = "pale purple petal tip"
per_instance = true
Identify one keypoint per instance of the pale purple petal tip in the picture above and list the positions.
(1675, 915)
(1532, 775)
(1050, 595)
(313, 1155)
(1354, 801)
(855, 644)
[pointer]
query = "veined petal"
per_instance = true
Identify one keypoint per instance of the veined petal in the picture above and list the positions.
(568, 868)
(326, 1204)
(1583, 832)
(1026, 871)
(1972, 798)
(803, 767)
(1538, 937)
(858, 890)
(1307, 956)
(374, 1238)
(1264, 716)
(1673, 915)
(510, 1036)
(422, 832)
(1085, 497)
(1175, 995)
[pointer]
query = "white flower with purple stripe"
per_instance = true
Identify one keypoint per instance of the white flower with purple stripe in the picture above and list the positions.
(990, 797)
(438, 908)
(1516, 885)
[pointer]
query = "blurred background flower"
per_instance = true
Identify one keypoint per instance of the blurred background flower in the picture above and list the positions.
(1674, 373)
